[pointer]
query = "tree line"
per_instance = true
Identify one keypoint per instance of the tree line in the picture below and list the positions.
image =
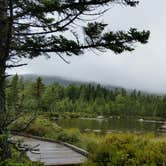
(87, 98)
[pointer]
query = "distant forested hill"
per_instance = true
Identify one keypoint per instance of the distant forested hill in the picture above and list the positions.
(40, 93)
(51, 79)
(63, 81)
(48, 80)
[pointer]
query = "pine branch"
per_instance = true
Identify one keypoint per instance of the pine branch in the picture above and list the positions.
(44, 26)
(9, 26)
(73, 6)
(51, 31)
(19, 65)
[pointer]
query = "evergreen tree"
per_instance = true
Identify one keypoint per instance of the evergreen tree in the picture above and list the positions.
(53, 93)
(13, 93)
(22, 93)
(29, 29)
(37, 92)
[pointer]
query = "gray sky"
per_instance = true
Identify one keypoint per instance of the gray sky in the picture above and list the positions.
(143, 69)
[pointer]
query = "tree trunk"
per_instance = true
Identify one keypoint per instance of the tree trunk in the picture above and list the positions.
(4, 52)
(2, 96)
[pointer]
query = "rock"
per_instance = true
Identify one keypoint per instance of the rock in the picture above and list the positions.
(141, 120)
(163, 128)
(100, 117)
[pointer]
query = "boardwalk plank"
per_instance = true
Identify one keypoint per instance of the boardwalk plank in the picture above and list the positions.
(53, 153)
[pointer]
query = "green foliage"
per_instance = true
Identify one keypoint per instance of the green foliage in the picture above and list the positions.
(37, 91)
(40, 126)
(43, 127)
(3, 141)
(13, 163)
(91, 141)
(128, 149)
(111, 149)
(70, 136)
(85, 100)
(13, 93)
(34, 42)
(20, 123)
(43, 33)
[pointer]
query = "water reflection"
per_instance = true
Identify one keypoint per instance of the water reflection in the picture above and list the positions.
(125, 124)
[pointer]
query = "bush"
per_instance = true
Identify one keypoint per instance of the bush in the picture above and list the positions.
(70, 136)
(41, 126)
(13, 163)
(127, 150)
(20, 123)
(3, 145)
(90, 141)
(44, 128)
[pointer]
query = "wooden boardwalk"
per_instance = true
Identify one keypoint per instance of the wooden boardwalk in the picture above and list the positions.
(53, 154)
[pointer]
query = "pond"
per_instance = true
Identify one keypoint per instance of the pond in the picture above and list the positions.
(111, 124)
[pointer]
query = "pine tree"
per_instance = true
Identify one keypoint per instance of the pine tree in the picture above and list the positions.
(38, 91)
(13, 93)
(21, 93)
(31, 28)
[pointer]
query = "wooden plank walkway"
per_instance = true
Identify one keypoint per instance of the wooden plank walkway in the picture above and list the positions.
(53, 154)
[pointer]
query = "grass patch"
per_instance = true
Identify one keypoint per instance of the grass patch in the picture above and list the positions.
(128, 149)
(14, 163)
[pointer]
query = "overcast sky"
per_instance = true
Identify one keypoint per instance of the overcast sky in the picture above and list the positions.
(143, 69)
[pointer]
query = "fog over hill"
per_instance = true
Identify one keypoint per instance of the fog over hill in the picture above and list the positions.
(51, 79)
(66, 81)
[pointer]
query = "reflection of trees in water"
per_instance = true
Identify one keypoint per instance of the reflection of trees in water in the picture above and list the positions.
(125, 125)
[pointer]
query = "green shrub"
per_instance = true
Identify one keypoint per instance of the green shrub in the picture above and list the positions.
(13, 163)
(70, 136)
(41, 126)
(3, 144)
(128, 150)
(90, 141)
(20, 123)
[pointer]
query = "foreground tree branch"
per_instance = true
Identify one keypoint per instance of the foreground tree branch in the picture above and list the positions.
(29, 29)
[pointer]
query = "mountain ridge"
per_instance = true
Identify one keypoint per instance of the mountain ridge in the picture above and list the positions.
(50, 79)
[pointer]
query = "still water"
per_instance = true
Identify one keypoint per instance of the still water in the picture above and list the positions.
(115, 124)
